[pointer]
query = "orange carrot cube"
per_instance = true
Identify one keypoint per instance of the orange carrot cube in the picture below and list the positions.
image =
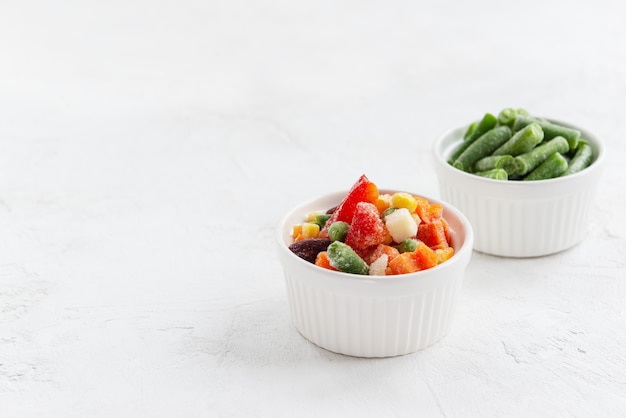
(403, 263)
(424, 256)
(422, 207)
(432, 234)
(381, 249)
(428, 211)
(323, 261)
(446, 231)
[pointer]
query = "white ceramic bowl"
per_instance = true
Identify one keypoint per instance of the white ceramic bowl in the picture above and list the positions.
(517, 218)
(373, 316)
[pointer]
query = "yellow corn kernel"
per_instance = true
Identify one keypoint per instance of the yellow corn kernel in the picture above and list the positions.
(383, 202)
(310, 230)
(444, 254)
(312, 217)
(404, 200)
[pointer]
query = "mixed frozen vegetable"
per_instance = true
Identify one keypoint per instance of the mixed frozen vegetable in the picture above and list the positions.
(375, 233)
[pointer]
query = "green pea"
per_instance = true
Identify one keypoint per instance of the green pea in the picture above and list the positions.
(338, 231)
(407, 246)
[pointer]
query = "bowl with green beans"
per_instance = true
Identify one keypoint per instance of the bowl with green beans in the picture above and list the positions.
(526, 183)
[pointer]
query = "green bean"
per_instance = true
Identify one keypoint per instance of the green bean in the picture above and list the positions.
(581, 160)
(495, 173)
(343, 258)
(471, 128)
(554, 166)
(522, 141)
(530, 160)
(507, 116)
(550, 129)
(487, 123)
(482, 147)
(338, 231)
(505, 162)
(458, 151)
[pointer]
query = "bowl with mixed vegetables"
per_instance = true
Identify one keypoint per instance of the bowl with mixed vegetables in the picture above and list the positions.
(373, 272)
(526, 183)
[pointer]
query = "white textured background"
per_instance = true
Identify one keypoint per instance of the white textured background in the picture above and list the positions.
(148, 150)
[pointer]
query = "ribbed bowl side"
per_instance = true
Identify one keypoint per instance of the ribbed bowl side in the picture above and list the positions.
(524, 228)
(367, 326)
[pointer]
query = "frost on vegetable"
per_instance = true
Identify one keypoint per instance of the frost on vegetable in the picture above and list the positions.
(369, 233)
(401, 225)
(529, 140)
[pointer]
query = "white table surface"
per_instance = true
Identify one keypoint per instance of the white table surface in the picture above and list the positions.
(149, 149)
